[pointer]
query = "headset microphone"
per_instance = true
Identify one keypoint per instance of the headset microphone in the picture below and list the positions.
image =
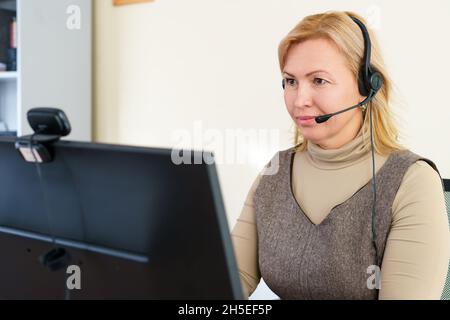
(326, 117)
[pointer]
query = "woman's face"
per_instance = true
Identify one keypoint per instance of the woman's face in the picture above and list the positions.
(317, 82)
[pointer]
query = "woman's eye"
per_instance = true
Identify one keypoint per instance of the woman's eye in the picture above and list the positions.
(319, 81)
(290, 82)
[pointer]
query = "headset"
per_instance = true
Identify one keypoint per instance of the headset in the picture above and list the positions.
(370, 82)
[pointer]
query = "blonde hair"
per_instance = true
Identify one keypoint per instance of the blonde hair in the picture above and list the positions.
(347, 36)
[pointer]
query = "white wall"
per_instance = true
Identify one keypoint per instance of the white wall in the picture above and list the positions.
(161, 66)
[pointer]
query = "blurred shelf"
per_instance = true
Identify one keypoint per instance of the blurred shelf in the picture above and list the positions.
(8, 133)
(8, 75)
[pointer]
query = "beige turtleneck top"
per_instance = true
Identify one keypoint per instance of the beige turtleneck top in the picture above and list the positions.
(417, 250)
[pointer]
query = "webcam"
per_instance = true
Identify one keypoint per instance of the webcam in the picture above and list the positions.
(49, 125)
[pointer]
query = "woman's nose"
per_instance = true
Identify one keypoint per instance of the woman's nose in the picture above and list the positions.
(303, 97)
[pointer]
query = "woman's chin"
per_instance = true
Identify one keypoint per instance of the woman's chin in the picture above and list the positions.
(312, 135)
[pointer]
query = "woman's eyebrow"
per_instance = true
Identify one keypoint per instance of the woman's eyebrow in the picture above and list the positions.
(308, 74)
(287, 73)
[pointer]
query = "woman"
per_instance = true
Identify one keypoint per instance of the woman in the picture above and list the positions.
(313, 229)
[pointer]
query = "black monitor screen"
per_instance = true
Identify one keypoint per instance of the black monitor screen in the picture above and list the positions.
(137, 226)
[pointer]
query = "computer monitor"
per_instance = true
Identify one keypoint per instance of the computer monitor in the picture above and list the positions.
(137, 225)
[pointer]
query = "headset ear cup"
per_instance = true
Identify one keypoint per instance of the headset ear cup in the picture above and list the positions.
(362, 84)
(376, 81)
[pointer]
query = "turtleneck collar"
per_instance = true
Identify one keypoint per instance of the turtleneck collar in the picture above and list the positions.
(349, 154)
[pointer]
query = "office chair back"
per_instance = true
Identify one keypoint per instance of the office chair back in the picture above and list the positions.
(446, 291)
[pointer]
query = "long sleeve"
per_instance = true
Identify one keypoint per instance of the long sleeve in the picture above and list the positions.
(417, 250)
(245, 242)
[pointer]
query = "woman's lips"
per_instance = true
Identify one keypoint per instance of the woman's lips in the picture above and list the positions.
(306, 117)
(306, 120)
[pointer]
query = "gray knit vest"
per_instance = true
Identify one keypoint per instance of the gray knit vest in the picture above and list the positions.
(301, 260)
